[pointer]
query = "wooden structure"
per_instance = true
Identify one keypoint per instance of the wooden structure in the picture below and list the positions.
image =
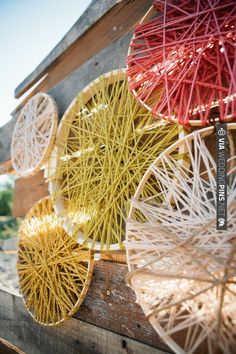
(109, 320)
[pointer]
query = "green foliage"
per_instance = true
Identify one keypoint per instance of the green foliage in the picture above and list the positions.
(8, 225)
(6, 195)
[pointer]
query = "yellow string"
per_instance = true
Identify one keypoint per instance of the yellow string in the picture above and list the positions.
(110, 142)
(52, 267)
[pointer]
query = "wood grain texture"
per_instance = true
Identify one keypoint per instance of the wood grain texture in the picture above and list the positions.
(110, 58)
(6, 167)
(5, 139)
(27, 192)
(106, 26)
(8, 348)
(114, 256)
(111, 304)
(93, 13)
(72, 337)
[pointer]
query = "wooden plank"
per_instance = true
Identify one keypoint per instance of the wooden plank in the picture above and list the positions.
(8, 348)
(110, 58)
(72, 337)
(27, 192)
(114, 256)
(119, 18)
(111, 305)
(5, 139)
(6, 168)
(95, 10)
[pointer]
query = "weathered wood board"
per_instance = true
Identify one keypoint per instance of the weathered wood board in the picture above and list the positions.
(8, 348)
(27, 192)
(105, 27)
(110, 303)
(93, 13)
(6, 168)
(72, 337)
(5, 140)
(110, 58)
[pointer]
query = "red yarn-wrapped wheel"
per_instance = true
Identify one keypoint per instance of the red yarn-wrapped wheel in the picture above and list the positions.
(181, 63)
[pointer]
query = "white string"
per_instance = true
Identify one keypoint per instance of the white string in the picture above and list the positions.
(182, 269)
(34, 134)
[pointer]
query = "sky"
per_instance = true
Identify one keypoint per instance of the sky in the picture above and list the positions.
(29, 30)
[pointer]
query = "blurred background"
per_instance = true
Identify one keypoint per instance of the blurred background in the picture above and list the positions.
(8, 234)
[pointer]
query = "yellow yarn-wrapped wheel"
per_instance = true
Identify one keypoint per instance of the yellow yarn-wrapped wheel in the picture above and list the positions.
(105, 142)
(54, 271)
(34, 135)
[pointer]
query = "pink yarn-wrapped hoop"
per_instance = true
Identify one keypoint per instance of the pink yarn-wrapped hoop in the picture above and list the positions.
(181, 64)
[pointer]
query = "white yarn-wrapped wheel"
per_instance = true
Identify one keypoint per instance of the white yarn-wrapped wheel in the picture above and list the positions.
(181, 268)
(34, 135)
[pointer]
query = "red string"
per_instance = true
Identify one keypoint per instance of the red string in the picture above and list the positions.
(182, 63)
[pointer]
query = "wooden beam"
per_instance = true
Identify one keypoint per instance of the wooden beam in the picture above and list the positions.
(93, 13)
(5, 139)
(111, 304)
(112, 25)
(72, 337)
(6, 168)
(8, 348)
(27, 192)
(116, 256)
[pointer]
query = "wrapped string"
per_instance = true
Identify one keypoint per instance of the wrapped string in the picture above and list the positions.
(181, 64)
(106, 142)
(34, 135)
(54, 271)
(181, 268)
